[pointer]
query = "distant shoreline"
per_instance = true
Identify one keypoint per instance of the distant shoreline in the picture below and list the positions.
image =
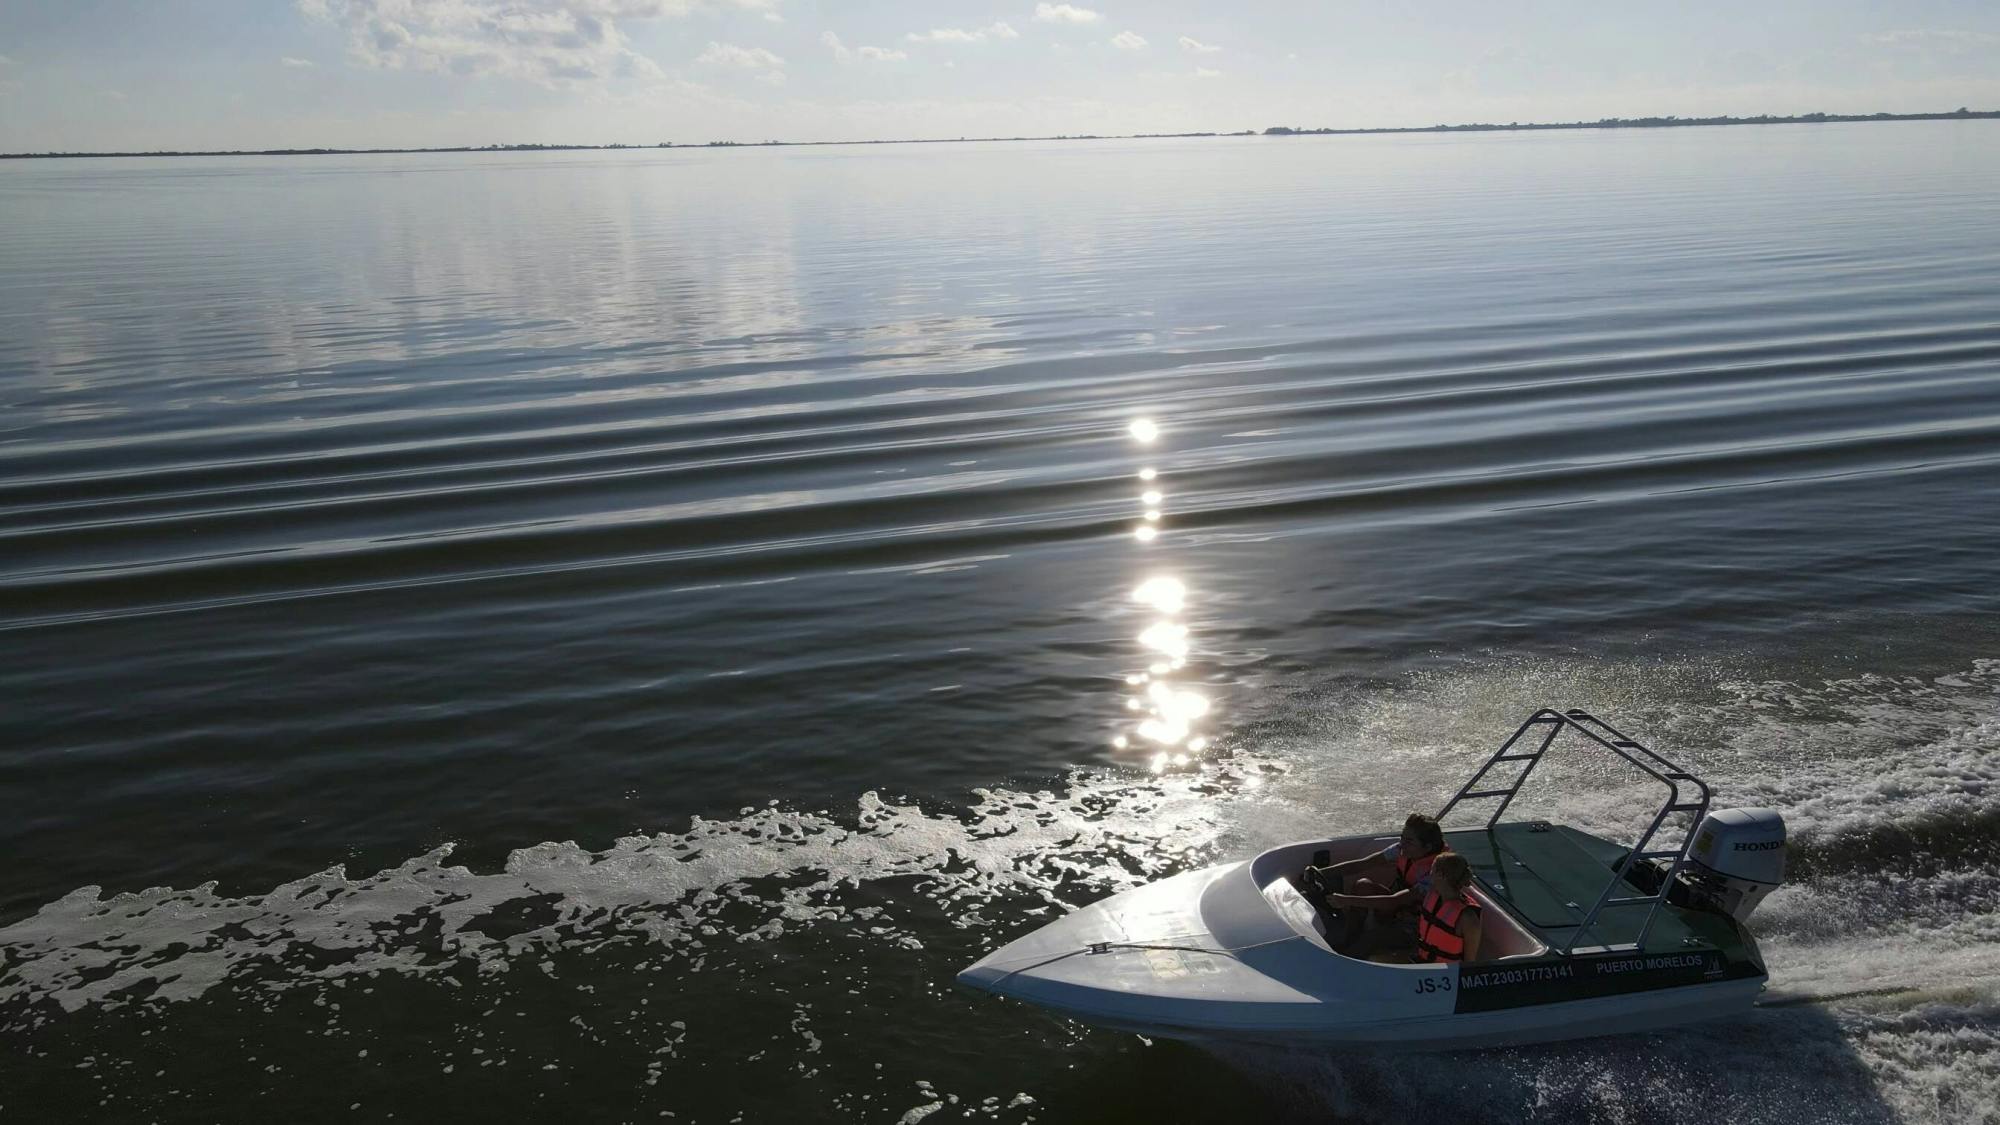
(1273, 131)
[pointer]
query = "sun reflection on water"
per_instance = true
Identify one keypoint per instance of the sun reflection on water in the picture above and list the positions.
(1164, 593)
(1171, 710)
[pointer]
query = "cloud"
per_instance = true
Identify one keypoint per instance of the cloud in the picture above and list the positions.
(867, 54)
(1932, 38)
(296, 64)
(750, 58)
(739, 58)
(1197, 46)
(1064, 13)
(548, 42)
(999, 30)
(1128, 41)
(1204, 72)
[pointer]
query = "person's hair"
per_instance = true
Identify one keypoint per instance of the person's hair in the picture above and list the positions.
(1453, 868)
(1426, 830)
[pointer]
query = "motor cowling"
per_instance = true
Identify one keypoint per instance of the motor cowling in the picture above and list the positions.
(1738, 857)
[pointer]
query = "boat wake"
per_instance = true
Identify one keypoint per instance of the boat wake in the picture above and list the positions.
(682, 893)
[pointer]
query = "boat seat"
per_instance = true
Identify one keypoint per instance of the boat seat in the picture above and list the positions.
(1500, 936)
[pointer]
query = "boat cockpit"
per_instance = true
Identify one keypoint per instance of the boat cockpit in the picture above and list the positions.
(1276, 872)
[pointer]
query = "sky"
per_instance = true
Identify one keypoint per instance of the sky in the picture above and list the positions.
(94, 75)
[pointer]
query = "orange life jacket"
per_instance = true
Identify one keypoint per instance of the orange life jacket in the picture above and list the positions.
(1410, 871)
(1438, 938)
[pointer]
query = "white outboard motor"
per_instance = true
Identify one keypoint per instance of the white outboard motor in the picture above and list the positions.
(1738, 857)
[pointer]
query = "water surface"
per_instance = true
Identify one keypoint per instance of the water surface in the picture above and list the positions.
(617, 631)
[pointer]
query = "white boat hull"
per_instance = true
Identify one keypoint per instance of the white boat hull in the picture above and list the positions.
(1229, 954)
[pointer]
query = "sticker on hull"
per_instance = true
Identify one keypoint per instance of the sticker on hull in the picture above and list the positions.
(1488, 989)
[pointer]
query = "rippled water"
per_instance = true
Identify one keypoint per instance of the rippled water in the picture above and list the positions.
(612, 633)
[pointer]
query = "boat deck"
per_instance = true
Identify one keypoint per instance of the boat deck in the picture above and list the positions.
(1548, 876)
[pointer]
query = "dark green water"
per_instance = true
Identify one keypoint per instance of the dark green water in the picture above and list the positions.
(598, 636)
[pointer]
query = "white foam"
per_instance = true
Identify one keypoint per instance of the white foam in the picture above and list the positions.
(162, 945)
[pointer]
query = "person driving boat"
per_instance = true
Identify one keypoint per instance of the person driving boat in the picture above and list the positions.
(1386, 889)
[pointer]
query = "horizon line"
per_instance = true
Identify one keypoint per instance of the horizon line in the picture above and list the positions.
(1665, 122)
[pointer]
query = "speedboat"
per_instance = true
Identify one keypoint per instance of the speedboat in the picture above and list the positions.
(1580, 935)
